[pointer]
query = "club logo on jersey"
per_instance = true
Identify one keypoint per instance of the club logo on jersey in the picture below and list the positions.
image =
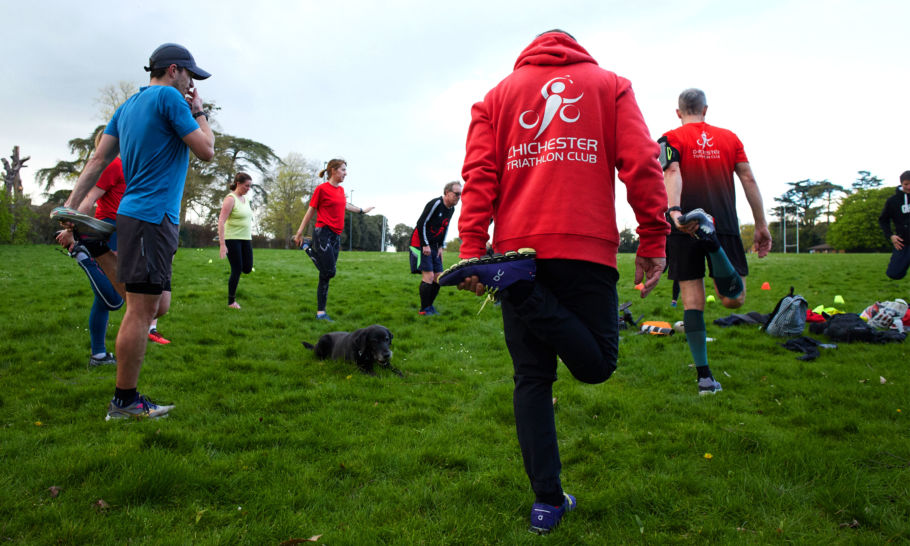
(555, 103)
(705, 141)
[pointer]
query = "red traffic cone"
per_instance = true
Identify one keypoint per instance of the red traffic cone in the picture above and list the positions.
(765, 286)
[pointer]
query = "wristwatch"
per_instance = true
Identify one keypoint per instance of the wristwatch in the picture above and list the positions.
(201, 113)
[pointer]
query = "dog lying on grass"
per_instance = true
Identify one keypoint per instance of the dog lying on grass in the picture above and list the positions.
(364, 347)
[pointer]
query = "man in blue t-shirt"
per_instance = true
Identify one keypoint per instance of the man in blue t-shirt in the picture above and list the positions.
(154, 132)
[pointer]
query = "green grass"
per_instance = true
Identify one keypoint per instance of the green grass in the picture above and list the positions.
(267, 444)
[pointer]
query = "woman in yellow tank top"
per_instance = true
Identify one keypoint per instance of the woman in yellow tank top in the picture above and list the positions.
(235, 233)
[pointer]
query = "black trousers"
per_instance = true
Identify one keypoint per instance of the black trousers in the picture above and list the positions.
(571, 313)
(326, 246)
(240, 256)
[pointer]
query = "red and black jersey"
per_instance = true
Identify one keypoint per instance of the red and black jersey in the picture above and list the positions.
(432, 225)
(708, 157)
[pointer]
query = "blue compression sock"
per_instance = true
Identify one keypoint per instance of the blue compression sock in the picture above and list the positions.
(97, 326)
(694, 322)
(101, 285)
(728, 281)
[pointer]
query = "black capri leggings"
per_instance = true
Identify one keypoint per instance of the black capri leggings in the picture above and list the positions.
(240, 255)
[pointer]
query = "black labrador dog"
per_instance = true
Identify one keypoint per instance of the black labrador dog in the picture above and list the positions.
(364, 347)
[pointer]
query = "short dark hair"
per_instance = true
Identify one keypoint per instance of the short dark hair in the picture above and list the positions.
(158, 73)
(692, 101)
(905, 176)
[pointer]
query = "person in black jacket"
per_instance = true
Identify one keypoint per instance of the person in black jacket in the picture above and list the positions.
(426, 244)
(897, 210)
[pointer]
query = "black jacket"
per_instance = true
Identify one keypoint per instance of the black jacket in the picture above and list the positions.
(897, 209)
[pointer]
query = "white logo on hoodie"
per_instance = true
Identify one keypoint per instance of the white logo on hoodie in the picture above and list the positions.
(555, 103)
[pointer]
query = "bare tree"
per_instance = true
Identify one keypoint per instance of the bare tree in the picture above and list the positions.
(12, 181)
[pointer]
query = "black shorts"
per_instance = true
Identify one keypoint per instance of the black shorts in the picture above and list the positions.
(146, 252)
(686, 256)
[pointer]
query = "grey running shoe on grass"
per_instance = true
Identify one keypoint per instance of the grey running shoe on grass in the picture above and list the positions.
(708, 385)
(107, 359)
(140, 409)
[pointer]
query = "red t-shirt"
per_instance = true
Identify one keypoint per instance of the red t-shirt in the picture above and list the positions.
(113, 184)
(708, 157)
(329, 202)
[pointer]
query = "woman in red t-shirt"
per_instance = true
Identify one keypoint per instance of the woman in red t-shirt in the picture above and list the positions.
(329, 204)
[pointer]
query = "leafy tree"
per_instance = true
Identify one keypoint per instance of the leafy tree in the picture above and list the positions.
(866, 181)
(288, 189)
(364, 231)
(82, 148)
(207, 182)
(828, 193)
(628, 241)
(855, 228)
(401, 237)
(747, 234)
(453, 246)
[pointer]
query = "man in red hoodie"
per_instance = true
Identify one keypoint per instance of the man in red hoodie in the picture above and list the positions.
(542, 152)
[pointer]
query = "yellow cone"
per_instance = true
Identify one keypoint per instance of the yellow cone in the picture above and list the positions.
(838, 300)
(710, 299)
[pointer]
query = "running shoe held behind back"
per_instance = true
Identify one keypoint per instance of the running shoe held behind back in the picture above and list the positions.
(496, 273)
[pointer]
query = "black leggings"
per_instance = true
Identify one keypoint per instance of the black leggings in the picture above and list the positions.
(570, 313)
(240, 255)
(326, 245)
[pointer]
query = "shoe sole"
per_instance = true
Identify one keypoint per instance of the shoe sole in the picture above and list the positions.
(136, 417)
(86, 224)
(449, 276)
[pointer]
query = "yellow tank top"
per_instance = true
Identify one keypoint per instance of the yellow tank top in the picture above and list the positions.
(240, 223)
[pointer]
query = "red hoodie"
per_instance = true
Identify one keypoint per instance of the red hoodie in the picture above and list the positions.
(542, 151)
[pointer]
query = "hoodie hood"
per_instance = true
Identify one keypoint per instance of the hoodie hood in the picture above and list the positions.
(553, 49)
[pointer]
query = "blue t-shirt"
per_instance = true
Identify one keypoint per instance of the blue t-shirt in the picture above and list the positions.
(151, 125)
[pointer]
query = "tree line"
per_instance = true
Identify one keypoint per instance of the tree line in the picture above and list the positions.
(280, 194)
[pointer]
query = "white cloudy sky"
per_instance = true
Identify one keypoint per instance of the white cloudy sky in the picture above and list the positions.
(815, 89)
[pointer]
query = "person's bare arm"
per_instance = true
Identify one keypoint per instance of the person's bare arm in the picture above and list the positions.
(753, 196)
(202, 140)
(298, 238)
(107, 151)
(673, 182)
(226, 209)
(359, 210)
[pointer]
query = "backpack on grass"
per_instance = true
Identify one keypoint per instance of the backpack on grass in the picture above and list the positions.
(788, 317)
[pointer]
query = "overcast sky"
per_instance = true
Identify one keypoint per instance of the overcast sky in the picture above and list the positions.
(815, 89)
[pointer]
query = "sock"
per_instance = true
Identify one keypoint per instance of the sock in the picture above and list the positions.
(426, 298)
(125, 397)
(694, 322)
(434, 291)
(728, 281)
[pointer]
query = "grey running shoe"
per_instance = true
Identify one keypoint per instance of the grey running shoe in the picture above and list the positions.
(708, 385)
(140, 409)
(108, 358)
(706, 231)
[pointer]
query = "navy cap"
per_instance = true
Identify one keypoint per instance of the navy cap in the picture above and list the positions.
(168, 54)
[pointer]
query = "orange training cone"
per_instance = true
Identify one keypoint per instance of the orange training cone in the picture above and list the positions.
(639, 286)
(766, 286)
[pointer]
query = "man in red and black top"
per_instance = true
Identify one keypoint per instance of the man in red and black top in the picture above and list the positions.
(426, 244)
(699, 161)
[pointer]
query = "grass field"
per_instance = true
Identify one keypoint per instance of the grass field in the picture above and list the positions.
(267, 444)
